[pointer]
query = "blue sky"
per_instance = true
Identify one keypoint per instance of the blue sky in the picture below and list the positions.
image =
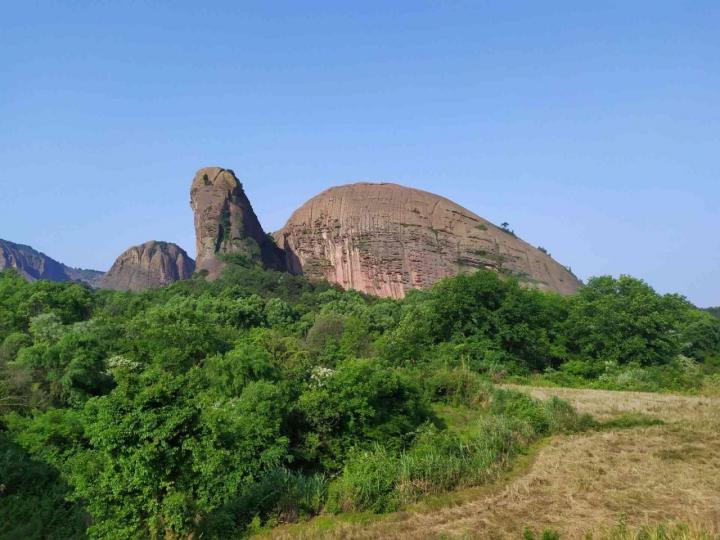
(593, 130)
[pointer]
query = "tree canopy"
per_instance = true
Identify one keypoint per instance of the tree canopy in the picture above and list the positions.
(178, 411)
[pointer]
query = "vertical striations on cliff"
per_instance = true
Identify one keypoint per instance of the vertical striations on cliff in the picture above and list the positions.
(384, 239)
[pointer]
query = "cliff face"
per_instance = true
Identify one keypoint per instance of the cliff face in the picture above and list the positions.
(384, 239)
(33, 265)
(149, 265)
(225, 223)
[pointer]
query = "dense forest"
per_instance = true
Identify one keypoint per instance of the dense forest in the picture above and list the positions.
(215, 409)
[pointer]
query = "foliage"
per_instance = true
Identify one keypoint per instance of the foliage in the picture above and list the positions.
(281, 496)
(161, 457)
(458, 386)
(209, 409)
(33, 498)
(623, 321)
(368, 482)
(360, 403)
(380, 480)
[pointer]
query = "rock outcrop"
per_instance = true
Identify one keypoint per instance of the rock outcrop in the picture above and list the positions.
(384, 239)
(33, 265)
(149, 265)
(225, 224)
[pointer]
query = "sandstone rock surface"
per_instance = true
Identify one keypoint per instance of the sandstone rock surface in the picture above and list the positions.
(33, 265)
(384, 239)
(225, 223)
(149, 265)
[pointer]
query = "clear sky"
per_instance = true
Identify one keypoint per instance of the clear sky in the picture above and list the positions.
(593, 128)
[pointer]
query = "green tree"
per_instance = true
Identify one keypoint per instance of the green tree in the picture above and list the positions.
(163, 454)
(357, 404)
(66, 362)
(33, 498)
(622, 320)
(12, 345)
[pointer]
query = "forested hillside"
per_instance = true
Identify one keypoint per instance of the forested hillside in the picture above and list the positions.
(212, 409)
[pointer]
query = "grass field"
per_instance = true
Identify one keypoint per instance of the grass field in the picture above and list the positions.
(655, 481)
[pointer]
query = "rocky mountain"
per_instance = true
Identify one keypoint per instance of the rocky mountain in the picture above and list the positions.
(384, 239)
(149, 265)
(33, 265)
(225, 223)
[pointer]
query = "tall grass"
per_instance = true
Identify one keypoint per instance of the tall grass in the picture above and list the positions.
(367, 483)
(442, 460)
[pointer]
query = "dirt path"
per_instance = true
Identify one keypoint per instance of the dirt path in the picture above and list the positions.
(586, 482)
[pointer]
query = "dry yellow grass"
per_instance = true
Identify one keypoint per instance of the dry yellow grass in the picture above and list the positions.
(583, 484)
(606, 404)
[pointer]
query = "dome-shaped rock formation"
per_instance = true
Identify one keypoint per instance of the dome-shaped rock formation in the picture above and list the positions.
(384, 239)
(149, 265)
(225, 223)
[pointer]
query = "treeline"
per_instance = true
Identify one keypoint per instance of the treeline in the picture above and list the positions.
(209, 409)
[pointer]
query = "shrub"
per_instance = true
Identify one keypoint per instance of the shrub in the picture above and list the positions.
(541, 417)
(162, 455)
(521, 407)
(34, 499)
(281, 496)
(562, 417)
(11, 345)
(458, 387)
(358, 404)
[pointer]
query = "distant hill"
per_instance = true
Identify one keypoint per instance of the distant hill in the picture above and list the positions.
(714, 311)
(33, 265)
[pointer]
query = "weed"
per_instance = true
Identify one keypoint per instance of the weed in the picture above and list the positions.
(630, 420)
(547, 534)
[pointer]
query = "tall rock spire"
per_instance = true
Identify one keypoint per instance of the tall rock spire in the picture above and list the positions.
(225, 223)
